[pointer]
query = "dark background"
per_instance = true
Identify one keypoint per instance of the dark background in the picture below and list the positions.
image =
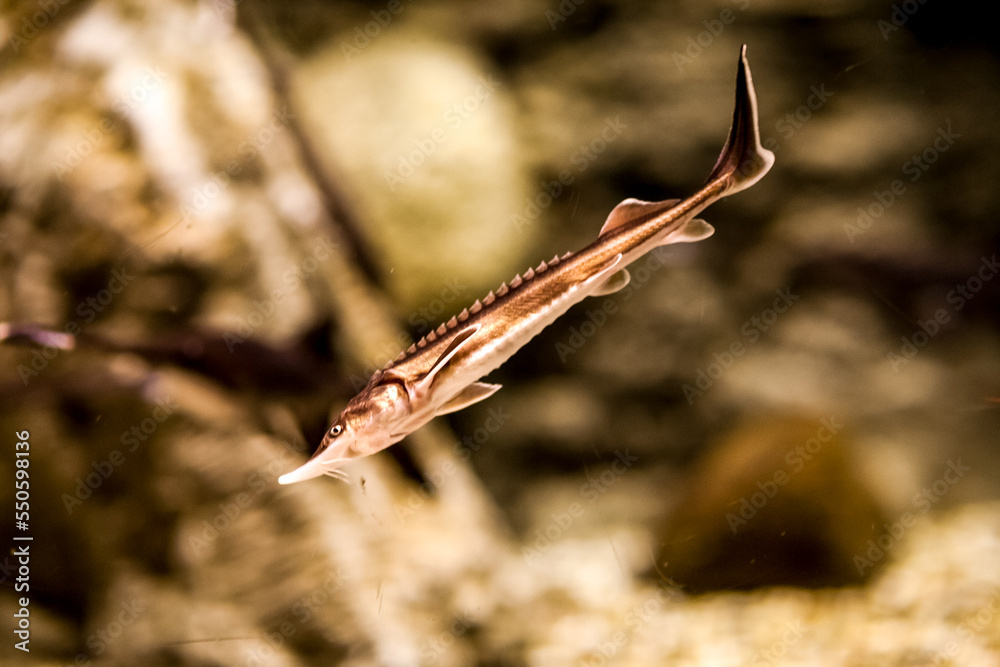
(803, 407)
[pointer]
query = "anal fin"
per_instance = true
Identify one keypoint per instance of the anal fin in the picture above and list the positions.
(693, 230)
(617, 281)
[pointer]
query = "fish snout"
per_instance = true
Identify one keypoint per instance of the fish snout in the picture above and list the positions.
(311, 468)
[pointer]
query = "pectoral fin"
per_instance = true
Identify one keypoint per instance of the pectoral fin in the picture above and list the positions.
(475, 392)
(422, 387)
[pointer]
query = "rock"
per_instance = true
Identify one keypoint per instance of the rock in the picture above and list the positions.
(777, 502)
(423, 137)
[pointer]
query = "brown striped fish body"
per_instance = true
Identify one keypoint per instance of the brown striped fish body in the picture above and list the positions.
(440, 373)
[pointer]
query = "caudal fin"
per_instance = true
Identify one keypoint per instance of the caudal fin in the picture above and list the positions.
(743, 161)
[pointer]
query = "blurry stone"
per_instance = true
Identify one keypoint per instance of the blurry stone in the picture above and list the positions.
(423, 138)
(777, 502)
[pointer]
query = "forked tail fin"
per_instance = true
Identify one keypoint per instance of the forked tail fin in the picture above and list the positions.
(743, 161)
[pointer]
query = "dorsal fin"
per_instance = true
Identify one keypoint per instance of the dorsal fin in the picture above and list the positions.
(632, 210)
(503, 290)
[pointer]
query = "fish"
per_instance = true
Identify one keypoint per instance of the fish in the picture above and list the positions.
(443, 371)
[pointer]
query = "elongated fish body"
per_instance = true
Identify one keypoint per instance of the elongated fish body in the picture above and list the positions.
(440, 373)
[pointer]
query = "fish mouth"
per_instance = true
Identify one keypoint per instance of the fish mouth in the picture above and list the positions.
(311, 468)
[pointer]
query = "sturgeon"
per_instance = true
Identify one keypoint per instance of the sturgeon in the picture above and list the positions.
(441, 372)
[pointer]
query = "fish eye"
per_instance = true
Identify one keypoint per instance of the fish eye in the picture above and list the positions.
(336, 430)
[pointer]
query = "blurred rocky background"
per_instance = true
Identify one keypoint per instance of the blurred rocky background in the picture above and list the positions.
(776, 446)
